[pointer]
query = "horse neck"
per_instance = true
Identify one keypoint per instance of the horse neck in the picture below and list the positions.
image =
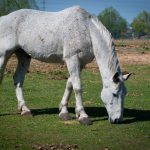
(107, 60)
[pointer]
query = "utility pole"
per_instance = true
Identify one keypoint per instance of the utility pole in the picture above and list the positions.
(44, 5)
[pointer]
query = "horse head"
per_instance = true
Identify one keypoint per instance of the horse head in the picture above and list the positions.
(113, 95)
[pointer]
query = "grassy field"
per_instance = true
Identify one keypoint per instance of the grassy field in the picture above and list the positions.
(43, 93)
(17, 132)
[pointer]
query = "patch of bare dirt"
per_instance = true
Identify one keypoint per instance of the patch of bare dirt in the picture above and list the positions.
(35, 66)
(134, 57)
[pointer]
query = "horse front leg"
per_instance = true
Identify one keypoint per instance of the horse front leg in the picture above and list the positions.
(73, 66)
(23, 64)
(63, 107)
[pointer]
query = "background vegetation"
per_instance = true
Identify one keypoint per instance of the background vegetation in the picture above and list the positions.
(119, 27)
(113, 22)
(7, 6)
(141, 24)
(110, 17)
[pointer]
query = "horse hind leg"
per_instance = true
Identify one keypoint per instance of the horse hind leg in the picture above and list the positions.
(23, 64)
(2, 67)
(3, 61)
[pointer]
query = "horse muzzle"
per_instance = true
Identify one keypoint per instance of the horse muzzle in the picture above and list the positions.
(116, 120)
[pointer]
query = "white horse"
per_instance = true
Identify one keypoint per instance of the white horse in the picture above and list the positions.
(72, 36)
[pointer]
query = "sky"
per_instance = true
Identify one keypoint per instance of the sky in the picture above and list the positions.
(128, 9)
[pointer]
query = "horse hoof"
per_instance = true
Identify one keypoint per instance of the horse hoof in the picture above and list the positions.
(26, 113)
(85, 121)
(64, 116)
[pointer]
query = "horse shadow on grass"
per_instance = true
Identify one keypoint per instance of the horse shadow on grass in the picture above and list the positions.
(99, 113)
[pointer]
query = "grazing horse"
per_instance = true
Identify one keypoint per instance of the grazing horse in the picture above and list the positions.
(72, 36)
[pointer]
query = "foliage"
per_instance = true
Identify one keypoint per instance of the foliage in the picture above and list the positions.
(113, 21)
(141, 24)
(7, 6)
(24, 133)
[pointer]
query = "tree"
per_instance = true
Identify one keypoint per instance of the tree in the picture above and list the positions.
(113, 22)
(7, 6)
(141, 24)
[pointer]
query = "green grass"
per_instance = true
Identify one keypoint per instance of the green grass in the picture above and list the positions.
(43, 95)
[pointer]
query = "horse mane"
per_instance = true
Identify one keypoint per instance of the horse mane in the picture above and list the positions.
(113, 63)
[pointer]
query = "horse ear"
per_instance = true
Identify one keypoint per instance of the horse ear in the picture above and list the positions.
(116, 77)
(126, 76)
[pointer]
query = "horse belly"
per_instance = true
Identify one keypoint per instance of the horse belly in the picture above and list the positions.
(49, 56)
(52, 58)
(43, 47)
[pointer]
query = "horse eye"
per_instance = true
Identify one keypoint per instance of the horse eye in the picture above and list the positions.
(115, 95)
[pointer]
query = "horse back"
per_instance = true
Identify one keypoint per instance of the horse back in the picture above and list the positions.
(44, 35)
